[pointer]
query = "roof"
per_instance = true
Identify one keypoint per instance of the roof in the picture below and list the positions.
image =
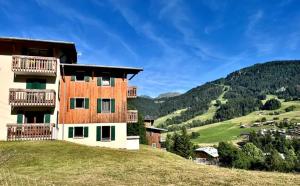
(209, 150)
(35, 40)
(128, 70)
(67, 47)
(154, 128)
(148, 117)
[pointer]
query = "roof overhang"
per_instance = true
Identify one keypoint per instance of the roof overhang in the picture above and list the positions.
(110, 69)
(158, 129)
(70, 46)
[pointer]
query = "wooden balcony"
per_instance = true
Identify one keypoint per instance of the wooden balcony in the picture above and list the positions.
(29, 131)
(31, 97)
(34, 65)
(131, 92)
(132, 116)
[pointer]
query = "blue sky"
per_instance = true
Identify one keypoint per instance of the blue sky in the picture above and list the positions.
(180, 44)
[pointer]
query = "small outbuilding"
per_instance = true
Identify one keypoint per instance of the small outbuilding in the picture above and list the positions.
(207, 155)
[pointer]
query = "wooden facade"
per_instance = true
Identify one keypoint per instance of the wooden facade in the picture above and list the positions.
(89, 89)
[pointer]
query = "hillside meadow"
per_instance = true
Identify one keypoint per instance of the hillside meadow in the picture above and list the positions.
(63, 163)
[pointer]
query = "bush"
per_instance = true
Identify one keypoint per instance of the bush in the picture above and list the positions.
(195, 135)
(272, 104)
(290, 108)
(264, 119)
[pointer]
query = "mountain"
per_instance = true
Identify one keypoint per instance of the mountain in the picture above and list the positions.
(168, 95)
(243, 91)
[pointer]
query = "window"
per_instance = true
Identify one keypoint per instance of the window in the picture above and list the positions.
(78, 132)
(79, 76)
(79, 103)
(106, 81)
(105, 133)
(106, 105)
(154, 145)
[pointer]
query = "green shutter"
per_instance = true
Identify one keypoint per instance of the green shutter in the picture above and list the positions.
(71, 132)
(98, 135)
(99, 81)
(86, 78)
(73, 78)
(47, 118)
(20, 118)
(112, 106)
(113, 133)
(29, 85)
(72, 103)
(42, 85)
(99, 105)
(87, 103)
(86, 132)
(112, 81)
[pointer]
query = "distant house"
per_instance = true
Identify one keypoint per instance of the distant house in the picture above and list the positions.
(153, 134)
(207, 155)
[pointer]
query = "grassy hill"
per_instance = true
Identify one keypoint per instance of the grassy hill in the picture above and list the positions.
(230, 130)
(247, 87)
(62, 163)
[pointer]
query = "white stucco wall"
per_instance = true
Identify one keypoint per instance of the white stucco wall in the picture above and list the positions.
(120, 135)
(7, 82)
(133, 143)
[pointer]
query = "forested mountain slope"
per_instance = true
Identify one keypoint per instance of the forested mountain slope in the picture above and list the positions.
(244, 88)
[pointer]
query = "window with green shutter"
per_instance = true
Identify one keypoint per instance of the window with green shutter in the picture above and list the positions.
(112, 81)
(112, 106)
(99, 102)
(20, 118)
(73, 78)
(87, 103)
(86, 78)
(98, 133)
(35, 84)
(113, 133)
(72, 103)
(99, 81)
(70, 132)
(86, 132)
(47, 118)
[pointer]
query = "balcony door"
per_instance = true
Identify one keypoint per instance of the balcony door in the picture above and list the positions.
(36, 84)
(34, 117)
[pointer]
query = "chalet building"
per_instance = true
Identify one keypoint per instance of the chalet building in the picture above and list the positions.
(206, 155)
(47, 95)
(153, 134)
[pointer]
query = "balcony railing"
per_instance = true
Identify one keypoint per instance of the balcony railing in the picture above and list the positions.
(131, 92)
(162, 139)
(29, 131)
(132, 116)
(31, 97)
(34, 65)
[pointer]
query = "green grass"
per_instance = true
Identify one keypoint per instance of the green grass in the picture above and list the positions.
(230, 130)
(63, 163)
(163, 119)
(202, 117)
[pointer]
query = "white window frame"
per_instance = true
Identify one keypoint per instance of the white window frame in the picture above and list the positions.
(78, 137)
(154, 145)
(109, 112)
(108, 81)
(75, 100)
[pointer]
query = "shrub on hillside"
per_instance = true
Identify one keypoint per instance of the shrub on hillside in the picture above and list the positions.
(272, 104)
